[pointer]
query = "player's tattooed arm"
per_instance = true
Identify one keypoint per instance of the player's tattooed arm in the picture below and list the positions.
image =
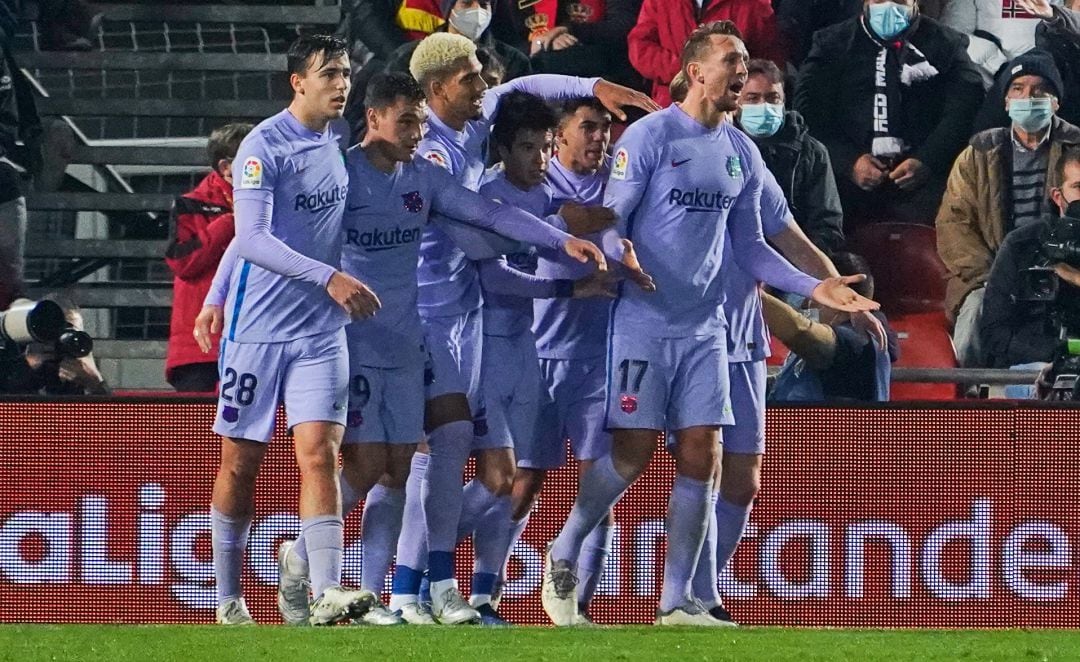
(581, 220)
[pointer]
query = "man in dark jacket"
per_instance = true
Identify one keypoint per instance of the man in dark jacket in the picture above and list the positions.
(891, 94)
(799, 162)
(202, 227)
(1015, 331)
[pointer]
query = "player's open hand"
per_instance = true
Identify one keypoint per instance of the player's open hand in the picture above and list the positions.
(633, 268)
(869, 324)
(356, 298)
(584, 220)
(616, 97)
(207, 324)
(834, 293)
(583, 251)
(597, 284)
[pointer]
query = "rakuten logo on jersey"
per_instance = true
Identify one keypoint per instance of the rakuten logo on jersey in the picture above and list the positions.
(382, 240)
(320, 200)
(698, 200)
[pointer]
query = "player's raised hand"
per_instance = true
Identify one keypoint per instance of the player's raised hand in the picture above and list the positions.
(597, 284)
(583, 251)
(207, 324)
(634, 271)
(870, 325)
(834, 293)
(584, 220)
(356, 298)
(616, 97)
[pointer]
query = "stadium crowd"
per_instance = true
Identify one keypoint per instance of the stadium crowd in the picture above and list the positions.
(467, 246)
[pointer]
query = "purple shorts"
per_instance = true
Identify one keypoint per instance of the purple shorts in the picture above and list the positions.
(747, 435)
(667, 383)
(574, 410)
(310, 375)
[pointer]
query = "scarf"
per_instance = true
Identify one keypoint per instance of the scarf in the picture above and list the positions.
(898, 63)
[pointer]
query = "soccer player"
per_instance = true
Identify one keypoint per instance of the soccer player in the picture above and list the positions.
(681, 180)
(449, 299)
(285, 341)
(392, 194)
(571, 338)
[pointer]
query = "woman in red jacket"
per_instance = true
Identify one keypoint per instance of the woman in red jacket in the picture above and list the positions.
(202, 227)
(664, 25)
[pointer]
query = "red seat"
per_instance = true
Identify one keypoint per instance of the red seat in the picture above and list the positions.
(778, 352)
(909, 276)
(924, 343)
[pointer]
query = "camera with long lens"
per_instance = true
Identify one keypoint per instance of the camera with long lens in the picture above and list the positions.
(1041, 284)
(43, 322)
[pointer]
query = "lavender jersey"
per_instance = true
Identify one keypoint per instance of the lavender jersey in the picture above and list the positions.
(508, 315)
(449, 284)
(385, 217)
(748, 337)
(295, 179)
(678, 188)
(571, 328)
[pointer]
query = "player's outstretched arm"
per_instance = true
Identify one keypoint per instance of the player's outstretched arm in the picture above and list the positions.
(498, 277)
(554, 87)
(581, 220)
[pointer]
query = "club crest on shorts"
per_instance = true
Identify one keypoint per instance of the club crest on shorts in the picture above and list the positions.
(414, 202)
(628, 403)
(230, 414)
(355, 418)
(734, 167)
(620, 163)
(252, 174)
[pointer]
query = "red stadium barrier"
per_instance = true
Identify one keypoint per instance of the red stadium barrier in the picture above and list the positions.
(941, 516)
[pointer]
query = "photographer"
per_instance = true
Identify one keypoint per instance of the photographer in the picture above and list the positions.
(60, 366)
(1021, 319)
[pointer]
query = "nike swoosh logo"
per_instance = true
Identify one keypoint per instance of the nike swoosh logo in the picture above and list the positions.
(676, 164)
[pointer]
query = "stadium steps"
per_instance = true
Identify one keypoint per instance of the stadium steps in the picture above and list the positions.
(141, 107)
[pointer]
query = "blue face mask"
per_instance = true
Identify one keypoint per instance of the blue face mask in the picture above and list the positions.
(761, 120)
(888, 19)
(1031, 115)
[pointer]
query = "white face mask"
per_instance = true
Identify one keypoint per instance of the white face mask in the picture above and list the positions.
(471, 23)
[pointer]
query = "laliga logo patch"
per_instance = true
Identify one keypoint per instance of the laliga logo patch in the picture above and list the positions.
(618, 166)
(734, 167)
(413, 202)
(230, 414)
(252, 174)
(628, 403)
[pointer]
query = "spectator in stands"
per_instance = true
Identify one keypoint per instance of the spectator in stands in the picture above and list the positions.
(1057, 34)
(37, 369)
(1014, 330)
(663, 26)
(18, 121)
(576, 38)
(998, 184)
(202, 227)
(471, 18)
(831, 359)
(372, 25)
(798, 20)
(799, 162)
(492, 69)
(891, 93)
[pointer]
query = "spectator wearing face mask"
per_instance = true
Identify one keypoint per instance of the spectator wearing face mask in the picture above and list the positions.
(891, 94)
(998, 184)
(472, 19)
(799, 161)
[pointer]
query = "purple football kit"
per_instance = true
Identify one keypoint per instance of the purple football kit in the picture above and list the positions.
(283, 338)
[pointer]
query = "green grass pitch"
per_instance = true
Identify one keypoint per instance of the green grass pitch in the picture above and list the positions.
(365, 644)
